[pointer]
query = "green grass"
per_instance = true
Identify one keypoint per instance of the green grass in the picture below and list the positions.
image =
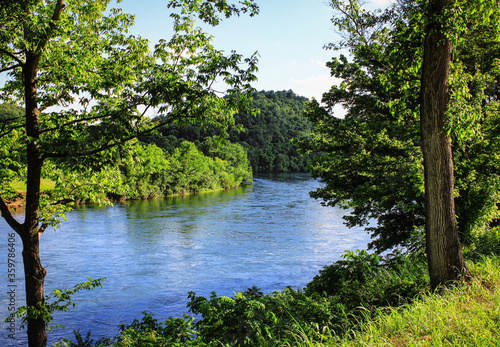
(467, 315)
(46, 185)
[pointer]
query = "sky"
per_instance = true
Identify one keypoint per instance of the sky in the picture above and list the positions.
(289, 36)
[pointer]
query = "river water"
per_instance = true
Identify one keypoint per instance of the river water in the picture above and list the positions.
(270, 234)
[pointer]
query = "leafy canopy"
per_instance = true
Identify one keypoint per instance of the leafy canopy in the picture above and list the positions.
(371, 159)
(95, 85)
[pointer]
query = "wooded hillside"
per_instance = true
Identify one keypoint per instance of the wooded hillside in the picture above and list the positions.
(265, 136)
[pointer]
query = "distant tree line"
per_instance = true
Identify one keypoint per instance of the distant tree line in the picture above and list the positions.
(265, 136)
(146, 170)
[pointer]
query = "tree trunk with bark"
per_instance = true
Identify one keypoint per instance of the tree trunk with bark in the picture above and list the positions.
(30, 231)
(35, 276)
(444, 253)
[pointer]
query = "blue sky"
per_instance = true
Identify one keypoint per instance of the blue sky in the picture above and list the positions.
(289, 36)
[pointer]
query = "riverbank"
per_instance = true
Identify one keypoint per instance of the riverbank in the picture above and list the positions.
(463, 315)
(19, 202)
(466, 315)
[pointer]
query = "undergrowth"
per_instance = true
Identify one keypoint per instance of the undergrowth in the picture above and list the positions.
(361, 300)
(338, 299)
(465, 315)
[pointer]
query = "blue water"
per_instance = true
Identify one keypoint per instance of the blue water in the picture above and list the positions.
(152, 253)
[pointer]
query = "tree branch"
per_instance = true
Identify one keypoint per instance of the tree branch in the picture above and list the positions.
(42, 228)
(114, 142)
(62, 202)
(109, 144)
(11, 67)
(353, 20)
(7, 120)
(60, 5)
(10, 130)
(14, 224)
(76, 121)
(10, 54)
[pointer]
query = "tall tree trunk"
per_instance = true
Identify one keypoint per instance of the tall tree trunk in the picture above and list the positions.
(34, 280)
(444, 253)
(33, 269)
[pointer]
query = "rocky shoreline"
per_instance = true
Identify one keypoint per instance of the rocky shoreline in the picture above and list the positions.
(17, 203)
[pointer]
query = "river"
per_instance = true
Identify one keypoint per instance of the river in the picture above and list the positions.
(270, 234)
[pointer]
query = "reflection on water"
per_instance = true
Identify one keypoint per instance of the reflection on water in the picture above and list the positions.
(270, 234)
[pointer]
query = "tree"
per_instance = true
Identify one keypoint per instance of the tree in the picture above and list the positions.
(267, 136)
(371, 159)
(444, 252)
(143, 171)
(86, 86)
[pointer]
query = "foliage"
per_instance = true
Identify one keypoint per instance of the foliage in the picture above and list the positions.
(8, 112)
(190, 171)
(232, 155)
(58, 300)
(251, 318)
(148, 332)
(75, 184)
(142, 169)
(139, 170)
(10, 163)
(485, 243)
(266, 136)
(371, 159)
(80, 342)
(466, 315)
(364, 279)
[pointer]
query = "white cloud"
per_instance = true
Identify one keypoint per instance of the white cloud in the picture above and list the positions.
(315, 62)
(313, 86)
(378, 4)
(294, 64)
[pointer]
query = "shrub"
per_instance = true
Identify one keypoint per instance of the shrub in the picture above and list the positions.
(368, 280)
(254, 319)
(484, 243)
(148, 332)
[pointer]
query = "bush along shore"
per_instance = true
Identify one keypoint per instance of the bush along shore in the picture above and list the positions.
(145, 171)
(361, 300)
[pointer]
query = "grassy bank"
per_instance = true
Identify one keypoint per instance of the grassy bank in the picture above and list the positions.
(467, 315)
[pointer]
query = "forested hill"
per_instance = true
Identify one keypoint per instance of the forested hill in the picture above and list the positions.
(266, 136)
(8, 111)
